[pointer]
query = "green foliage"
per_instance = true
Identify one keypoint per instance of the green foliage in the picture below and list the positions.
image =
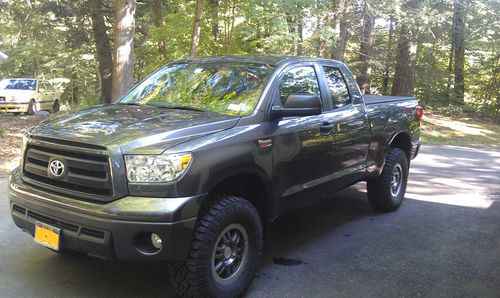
(53, 39)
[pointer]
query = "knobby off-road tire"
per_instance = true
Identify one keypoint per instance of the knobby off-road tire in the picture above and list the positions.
(386, 193)
(229, 222)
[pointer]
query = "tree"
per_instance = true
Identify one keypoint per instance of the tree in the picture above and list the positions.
(158, 22)
(195, 40)
(405, 59)
(214, 11)
(443, 52)
(345, 23)
(123, 67)
(388, 62)
(365, 48)
(458, 45)
(103, 49)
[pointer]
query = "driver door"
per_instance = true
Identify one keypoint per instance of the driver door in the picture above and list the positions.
(303, 155)
(43, 96)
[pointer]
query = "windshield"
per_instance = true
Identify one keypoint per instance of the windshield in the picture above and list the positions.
(227, 88)
(18, 84)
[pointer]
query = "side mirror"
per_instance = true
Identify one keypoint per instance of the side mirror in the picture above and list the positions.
(298, 105)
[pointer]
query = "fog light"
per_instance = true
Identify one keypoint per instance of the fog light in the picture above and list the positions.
(156, 241)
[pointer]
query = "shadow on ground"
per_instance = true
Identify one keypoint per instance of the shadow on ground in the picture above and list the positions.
(444, 241)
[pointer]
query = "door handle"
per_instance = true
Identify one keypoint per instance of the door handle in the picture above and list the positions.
(327, 128)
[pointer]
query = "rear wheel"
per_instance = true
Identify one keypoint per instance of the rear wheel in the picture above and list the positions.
(31, 108)
(386, 193)
(224, 253)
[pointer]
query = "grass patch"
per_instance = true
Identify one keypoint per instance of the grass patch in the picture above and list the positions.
(3, 131)
(445, 130)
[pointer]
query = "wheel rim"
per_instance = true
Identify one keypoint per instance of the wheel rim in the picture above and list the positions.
(396, 180)
(230, 254)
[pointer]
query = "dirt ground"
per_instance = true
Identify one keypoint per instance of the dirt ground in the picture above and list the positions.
(12, 129)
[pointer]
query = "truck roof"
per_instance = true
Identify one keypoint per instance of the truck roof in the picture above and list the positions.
(18, 79)
(273, 60)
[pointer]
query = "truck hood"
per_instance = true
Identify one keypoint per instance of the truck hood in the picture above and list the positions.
(136, 129)
(19, 95)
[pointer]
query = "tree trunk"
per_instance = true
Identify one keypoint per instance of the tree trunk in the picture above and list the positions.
(403, 75)
(338, 49)
(103, 49)
(366, 46)
(300, 31)
(405, 59)
(195, 41)
(214, 10)
(338, 52)
(74, 86)
(388, 62)
(459, 50)
(123, 68)
(158, 22)
(291, 20)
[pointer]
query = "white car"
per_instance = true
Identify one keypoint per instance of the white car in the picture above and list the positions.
(20, 95)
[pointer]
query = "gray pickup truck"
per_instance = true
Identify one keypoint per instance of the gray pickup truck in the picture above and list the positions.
(192, 164)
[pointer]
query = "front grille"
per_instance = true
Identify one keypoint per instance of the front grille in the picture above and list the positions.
(79, 230)
(87, 176)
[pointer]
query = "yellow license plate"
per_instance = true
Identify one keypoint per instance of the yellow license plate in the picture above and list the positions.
(47, 235)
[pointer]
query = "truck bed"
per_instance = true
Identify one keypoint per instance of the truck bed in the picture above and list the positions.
(376, 99)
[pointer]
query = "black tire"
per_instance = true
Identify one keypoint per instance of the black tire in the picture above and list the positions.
(31, 108)
(56, 106)
(198, 276)
(383, 195)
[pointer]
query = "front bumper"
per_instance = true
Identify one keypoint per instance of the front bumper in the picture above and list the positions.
(114, 230)
(8, 107)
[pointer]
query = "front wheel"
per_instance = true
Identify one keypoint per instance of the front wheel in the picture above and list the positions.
(386, 192)
(225, 251)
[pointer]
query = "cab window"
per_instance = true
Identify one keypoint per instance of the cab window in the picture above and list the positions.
(41, 87)
(49, 87)
(338, 88)
(299, 80)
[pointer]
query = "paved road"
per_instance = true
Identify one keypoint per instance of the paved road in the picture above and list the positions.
(444, 241)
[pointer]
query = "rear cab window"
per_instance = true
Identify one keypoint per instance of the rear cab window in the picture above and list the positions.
(339, 93)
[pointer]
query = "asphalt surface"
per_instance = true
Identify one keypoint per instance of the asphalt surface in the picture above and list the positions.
(443, 241)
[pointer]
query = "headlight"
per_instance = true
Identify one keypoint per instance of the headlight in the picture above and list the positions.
(156, 168)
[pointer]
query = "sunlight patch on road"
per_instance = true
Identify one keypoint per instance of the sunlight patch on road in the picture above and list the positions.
(465, 199)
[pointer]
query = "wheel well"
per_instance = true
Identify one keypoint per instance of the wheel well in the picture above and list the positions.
(403, 142)
(247, 186)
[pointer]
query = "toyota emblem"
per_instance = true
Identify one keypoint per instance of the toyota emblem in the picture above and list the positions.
(56, 168)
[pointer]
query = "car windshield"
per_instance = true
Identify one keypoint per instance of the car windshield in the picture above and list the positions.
(223, 88)
(18, 84)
